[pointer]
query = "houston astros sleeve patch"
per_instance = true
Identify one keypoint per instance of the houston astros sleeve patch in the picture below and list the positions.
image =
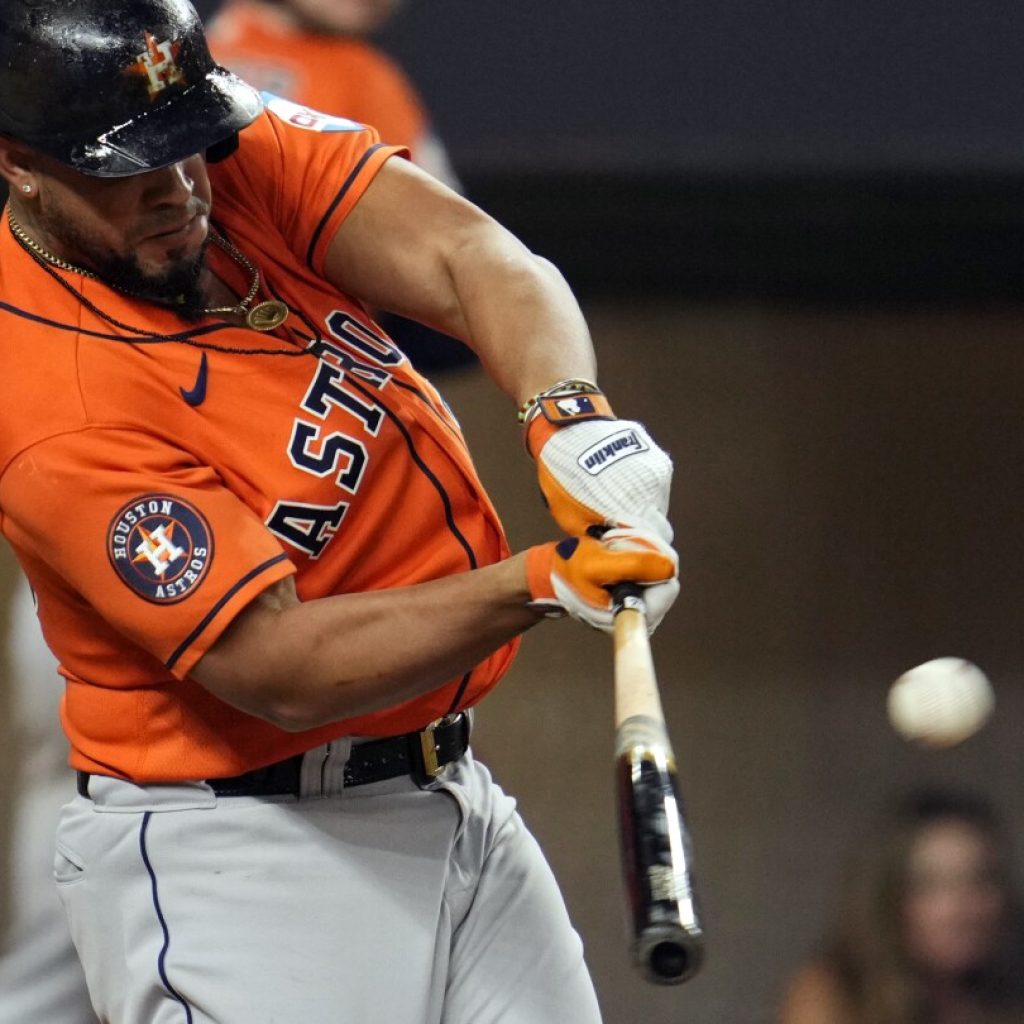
(161, 547)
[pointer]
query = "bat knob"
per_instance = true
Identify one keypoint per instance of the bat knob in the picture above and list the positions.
(670, 962)
(668, 954)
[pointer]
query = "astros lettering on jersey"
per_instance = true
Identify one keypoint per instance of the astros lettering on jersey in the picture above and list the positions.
(210, 461)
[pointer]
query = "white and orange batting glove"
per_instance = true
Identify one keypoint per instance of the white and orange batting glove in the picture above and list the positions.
(574, 576)
(595, 470)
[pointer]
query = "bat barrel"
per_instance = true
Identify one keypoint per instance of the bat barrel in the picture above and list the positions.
(668, 941)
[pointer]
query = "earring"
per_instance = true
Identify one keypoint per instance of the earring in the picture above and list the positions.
(27, 189)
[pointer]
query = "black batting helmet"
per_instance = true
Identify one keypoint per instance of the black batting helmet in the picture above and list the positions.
(116, 87)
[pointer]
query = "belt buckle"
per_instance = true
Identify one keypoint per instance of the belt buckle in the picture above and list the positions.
(428, 747)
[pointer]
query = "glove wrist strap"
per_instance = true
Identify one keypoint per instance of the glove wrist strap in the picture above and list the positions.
(569, 387)
(564, 403)
(538, 572)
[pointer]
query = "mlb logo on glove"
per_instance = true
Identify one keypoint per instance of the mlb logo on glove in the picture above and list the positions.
(574, 407)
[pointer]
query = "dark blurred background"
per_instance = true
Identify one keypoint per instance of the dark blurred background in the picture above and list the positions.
(806, 148)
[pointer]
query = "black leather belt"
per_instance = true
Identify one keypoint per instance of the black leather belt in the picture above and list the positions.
(420, 754)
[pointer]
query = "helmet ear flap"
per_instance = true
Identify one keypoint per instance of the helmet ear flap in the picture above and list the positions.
(222, 150)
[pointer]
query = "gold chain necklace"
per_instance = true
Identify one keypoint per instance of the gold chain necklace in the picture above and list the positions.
(264, 316)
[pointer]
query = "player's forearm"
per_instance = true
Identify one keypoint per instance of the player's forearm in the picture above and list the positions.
(301, 665)
(520, 317)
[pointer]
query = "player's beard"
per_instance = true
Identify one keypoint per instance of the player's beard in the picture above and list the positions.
(178, 284)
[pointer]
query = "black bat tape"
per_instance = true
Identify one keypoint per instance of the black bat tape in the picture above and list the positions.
(628, 595)
(668, 942)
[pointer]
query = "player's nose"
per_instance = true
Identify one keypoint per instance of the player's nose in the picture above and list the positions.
(172, 184)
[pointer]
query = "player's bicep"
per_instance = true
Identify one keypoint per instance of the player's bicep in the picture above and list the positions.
(402, 246)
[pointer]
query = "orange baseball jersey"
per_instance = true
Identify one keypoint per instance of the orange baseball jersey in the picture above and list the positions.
(338, 74)
(156, 476)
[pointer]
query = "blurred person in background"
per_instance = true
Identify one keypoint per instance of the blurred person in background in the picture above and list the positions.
(41, 980)
(319, 53)
(316, 52)
(929, 929)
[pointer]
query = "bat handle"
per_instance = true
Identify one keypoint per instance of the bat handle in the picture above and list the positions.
(625, 595)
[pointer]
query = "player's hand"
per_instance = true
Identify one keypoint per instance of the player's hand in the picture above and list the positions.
(573, 576)
(601, 472)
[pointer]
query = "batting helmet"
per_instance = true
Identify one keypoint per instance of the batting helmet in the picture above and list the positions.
(116, 87)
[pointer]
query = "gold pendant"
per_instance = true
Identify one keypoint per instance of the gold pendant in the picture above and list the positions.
(266, 316)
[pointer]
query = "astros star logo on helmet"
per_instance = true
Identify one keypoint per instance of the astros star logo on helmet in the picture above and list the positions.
(159, 63)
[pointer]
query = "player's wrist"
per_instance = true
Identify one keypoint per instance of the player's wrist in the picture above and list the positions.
(538, 562)
(564, 403)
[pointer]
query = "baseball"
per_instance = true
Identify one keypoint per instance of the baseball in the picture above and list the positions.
(940, 703)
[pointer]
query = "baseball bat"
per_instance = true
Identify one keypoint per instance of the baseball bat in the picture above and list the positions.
(667, 938)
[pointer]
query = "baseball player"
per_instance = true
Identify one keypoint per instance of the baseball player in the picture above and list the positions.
(262, 555)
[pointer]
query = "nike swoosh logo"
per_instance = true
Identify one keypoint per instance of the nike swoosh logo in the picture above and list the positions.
(198, 394)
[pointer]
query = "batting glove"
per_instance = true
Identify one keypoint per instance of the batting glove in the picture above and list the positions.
(573, 576)
(594, 469)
